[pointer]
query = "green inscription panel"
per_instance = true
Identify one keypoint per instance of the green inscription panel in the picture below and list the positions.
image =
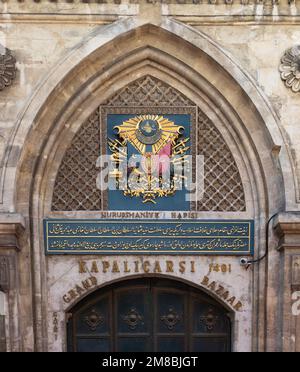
(149, 237)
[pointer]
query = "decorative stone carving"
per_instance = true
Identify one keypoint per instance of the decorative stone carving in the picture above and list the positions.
(290, 68)
(7, 68)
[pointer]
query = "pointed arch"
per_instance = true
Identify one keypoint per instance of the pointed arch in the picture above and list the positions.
(201, 78)
(108, 61)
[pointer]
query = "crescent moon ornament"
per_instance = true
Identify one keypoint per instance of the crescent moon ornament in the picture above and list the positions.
(145, 130)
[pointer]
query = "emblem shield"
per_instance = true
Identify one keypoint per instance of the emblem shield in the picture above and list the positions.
(156, 147)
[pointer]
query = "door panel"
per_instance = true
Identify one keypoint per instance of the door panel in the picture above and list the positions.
(92, 326)
(170, 312)
(149, 315)
(170, 316)
(132, 311)
(133, 319)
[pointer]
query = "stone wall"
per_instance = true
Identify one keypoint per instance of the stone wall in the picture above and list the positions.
(259, 50)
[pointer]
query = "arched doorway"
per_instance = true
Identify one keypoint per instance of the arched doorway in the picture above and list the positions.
(231, 103)
(152, 315)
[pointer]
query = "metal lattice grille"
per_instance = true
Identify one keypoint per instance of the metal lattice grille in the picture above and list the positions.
(75, 186)
(223, 188)
(149, 91)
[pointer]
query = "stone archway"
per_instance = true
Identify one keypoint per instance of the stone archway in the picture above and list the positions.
(242, 115)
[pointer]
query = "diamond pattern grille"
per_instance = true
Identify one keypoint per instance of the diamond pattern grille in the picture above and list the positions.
(75, 187)
(151, 92)
(223, 188)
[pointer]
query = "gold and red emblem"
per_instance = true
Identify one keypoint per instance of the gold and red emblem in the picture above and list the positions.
(159, 144)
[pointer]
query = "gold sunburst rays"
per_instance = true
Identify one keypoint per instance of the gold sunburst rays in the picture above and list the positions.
(169, 132)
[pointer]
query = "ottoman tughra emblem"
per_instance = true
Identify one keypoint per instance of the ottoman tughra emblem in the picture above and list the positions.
(145, 153)
(7, 68)
(290, 68)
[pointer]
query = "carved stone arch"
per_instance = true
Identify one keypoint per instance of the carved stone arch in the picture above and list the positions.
(75, 186)
(34, 112)
(201, 71)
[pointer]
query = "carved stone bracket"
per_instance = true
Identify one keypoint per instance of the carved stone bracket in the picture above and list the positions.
(11, 227)
(7, 68)
(287, 227)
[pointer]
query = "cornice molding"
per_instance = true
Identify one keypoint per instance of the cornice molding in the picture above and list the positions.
(287, 228)
(287, 223)
(192, 12)
(129, 6)
(164, 2)
(11, 227)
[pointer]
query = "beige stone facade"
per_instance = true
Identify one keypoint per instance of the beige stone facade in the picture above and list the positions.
(225, 57)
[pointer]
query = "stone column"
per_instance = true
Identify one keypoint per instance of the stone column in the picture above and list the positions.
(287, 226)
(11, 226)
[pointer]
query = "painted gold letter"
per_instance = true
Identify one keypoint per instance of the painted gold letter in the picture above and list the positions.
(82, 267)
(105, 265)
